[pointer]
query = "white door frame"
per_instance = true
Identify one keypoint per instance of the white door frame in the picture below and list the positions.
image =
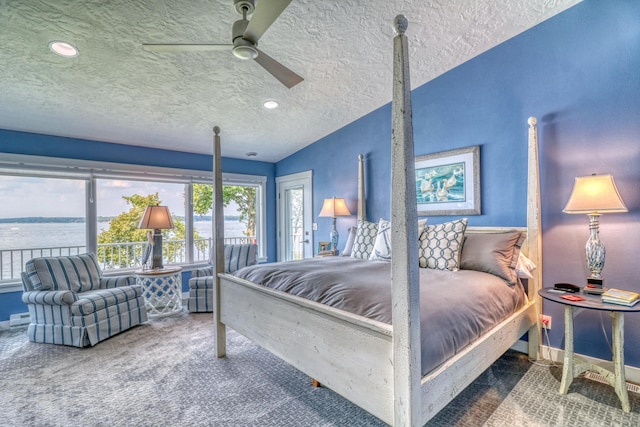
(304, 179)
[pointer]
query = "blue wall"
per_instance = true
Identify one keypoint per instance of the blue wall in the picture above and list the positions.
(579, 74)
(53, 146)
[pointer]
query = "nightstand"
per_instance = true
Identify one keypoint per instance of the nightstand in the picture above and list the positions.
(575, 365)
(162, 290)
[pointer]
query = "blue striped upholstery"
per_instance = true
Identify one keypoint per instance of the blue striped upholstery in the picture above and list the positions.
(201, 282)
(78, 273)
(62, 315)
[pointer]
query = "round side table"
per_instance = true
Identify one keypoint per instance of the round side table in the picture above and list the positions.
(162, 290)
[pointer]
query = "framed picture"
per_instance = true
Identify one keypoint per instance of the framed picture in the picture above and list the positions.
(448, 183)
(324, 246)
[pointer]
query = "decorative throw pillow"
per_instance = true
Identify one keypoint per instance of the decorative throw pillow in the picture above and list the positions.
(524, 267)
(348, 247)
(382, 246)
(494, 253)
(440, 245)
(422, 223)
(365, 239)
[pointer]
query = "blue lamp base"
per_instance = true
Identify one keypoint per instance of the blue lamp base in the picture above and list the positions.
(334, 237)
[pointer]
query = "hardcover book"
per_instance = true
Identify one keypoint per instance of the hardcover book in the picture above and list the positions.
(619, 296)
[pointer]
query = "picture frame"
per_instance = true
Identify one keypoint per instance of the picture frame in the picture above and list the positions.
(324, 246)
(448, 182)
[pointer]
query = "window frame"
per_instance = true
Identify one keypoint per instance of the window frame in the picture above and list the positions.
(89, 171)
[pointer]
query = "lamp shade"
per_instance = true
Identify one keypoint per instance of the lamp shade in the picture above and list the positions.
(334, 207)
(594, 194)
(156, 217)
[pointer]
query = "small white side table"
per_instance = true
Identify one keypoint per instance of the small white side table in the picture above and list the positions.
(574, 365)
(162, 290)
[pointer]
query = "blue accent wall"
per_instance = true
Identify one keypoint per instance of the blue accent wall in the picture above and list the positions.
(578, 73)
(79, 149)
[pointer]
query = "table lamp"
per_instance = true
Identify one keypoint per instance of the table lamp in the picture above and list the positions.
(594, 195)
(156, 218)
(333, 208)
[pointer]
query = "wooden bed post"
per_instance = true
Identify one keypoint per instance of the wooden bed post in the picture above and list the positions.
(217, 246)
(362, 204)
(404, 241)
(534, 228)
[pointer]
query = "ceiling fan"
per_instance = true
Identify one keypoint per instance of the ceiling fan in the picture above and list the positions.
(245, 36)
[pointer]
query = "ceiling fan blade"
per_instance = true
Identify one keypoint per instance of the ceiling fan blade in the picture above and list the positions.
(277, 70)
(185, 47)
(263, 16)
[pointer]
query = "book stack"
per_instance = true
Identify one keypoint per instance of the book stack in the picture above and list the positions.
(618, 296)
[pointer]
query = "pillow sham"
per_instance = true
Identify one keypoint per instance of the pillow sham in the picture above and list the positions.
(365, 239)
(440, 245)
(382, 246)
(348, 247)
(524, 267)
(494, 253)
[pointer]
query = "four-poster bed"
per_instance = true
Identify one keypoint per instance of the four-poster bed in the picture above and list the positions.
(374, 364)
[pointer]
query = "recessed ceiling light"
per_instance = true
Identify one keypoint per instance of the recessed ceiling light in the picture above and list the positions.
(64, 49)
(252, 154)
(270, 104)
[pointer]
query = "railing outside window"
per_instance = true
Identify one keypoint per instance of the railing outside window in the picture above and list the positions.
(111, 256)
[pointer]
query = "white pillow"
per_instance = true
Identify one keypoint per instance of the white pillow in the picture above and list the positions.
(524, 267)
(440, 245)
(382, 246)
(365, 239)
(348, 247)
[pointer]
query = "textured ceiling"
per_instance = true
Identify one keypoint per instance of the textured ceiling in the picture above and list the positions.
(115, 91)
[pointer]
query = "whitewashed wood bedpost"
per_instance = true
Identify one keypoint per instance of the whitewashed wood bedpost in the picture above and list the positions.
(534, 228)
(217, 245)
(404, 241)
(362, 203)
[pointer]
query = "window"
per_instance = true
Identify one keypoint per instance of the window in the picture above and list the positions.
(76, 206)
(119, 207)
(39, 216)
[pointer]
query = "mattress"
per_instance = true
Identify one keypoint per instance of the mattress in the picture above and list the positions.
(456, 307)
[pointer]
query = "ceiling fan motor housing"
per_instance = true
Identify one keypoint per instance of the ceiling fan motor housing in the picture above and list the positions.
(242, 48)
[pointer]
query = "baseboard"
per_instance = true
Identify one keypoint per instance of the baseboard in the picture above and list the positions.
(4, 325)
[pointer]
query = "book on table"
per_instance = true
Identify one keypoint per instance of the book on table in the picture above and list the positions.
(619, 296)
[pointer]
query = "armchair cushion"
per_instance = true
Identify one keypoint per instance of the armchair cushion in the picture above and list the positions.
(78, 273)
(90, 302)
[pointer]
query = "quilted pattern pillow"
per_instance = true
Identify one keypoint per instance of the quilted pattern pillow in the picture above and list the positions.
(440, 245)
(365, 240)
(382, 246)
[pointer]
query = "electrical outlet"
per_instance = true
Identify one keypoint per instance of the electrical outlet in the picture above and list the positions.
(546, 321)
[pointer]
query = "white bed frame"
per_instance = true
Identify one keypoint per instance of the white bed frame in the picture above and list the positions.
(373, 364)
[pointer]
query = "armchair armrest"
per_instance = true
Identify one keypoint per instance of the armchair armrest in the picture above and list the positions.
(202, 272)
(49, 297)
(116, 281)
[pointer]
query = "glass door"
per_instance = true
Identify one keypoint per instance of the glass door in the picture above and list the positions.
(295, 239)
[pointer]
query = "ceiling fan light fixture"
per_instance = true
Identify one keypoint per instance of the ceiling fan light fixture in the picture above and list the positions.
(245, 52)
(64, 49)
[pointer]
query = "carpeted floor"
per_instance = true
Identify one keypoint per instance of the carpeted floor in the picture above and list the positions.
(163, 373)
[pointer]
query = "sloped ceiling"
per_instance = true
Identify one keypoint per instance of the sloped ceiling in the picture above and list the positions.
(115, 91)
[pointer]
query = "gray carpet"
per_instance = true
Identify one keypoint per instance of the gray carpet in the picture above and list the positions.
(163, 373)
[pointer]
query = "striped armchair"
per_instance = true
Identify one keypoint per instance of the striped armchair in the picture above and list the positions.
(201, 282)
(70, 303)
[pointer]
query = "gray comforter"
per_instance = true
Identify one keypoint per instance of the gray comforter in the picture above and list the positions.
(457, 307)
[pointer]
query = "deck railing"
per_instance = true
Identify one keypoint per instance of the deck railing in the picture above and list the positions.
(111, 256)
